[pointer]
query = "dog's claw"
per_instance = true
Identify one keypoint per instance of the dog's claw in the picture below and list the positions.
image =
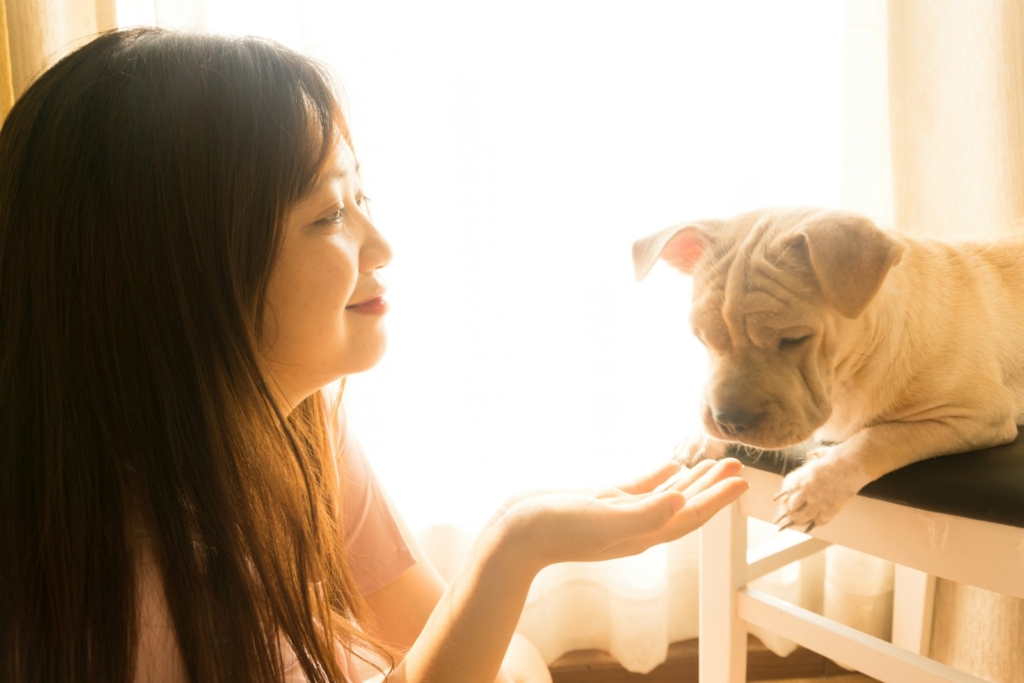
(809, 527)
(786, 525)
(782, 516)
(780, 494)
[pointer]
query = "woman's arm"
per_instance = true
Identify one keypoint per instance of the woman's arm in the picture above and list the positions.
(400, 609)
(467, 634)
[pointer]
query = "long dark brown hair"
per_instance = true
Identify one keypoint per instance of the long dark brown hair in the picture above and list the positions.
(144, 180)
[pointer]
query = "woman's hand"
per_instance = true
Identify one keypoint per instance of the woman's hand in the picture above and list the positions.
(468, 632)
(605, 523)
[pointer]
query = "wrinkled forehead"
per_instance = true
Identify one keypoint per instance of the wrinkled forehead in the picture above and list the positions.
(758, 275)
(761, 297)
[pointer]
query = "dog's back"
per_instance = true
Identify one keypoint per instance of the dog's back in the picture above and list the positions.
(961, 306)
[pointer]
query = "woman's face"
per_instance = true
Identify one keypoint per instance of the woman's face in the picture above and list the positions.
(325, 309)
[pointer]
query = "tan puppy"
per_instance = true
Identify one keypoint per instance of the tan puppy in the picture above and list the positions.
(819, 324)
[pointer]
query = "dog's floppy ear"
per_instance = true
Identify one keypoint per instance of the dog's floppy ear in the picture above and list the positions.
(850, 256)
(681, 246)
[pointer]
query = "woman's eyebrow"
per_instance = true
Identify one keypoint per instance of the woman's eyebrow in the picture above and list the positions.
(333, 174)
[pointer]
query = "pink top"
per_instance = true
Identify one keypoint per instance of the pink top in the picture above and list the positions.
(374, 546)
(376, 551)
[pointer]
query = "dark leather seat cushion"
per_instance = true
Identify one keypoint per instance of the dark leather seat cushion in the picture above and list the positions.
(986, 484)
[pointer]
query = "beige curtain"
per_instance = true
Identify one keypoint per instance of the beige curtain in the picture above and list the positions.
(6, 80)
(956, 87)
(36, 33)
(956, 72)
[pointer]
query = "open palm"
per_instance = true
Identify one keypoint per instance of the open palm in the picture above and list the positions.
(617, 521)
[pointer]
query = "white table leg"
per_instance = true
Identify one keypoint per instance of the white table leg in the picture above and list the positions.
(722, 646)
(913, 600)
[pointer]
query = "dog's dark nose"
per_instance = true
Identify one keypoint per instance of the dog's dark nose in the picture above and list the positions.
(735, 422)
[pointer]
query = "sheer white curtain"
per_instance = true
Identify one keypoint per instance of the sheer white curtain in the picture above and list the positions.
(513, 152)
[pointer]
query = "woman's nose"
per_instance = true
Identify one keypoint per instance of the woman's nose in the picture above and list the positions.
(375, 252)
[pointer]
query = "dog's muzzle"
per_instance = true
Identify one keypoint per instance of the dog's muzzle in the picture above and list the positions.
(735, 422)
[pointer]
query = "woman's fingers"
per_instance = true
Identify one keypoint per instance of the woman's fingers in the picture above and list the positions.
(714, 489)
(702, 506)
(687, 477)
(651, 480)
(718, 470)
(669, 475)
(686, 480)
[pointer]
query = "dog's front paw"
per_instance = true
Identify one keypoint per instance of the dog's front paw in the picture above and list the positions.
(813, 493)
(699, 447)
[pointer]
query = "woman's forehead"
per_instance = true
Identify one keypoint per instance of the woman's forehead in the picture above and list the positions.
(340, 166)
(343, 161)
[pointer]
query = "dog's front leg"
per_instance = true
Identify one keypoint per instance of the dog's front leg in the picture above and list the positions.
(699, 447)
(812, 494)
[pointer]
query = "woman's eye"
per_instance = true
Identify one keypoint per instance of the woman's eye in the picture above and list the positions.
(790, 342)
(335, 218)
(338, 217)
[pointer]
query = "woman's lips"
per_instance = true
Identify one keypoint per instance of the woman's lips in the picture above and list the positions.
(372, 307)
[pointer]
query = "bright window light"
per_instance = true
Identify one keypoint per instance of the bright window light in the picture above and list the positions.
(513, 152)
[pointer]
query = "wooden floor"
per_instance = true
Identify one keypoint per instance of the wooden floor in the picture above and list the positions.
(763, 666)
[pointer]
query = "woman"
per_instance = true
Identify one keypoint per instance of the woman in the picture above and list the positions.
(185, 264)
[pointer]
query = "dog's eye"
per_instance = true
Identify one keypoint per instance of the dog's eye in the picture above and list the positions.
(790, 342)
